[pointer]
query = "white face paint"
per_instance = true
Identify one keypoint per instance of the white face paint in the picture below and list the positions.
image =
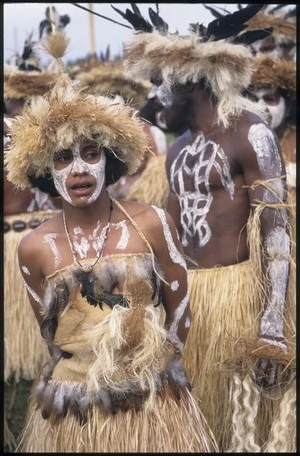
(79, 166)
(197, 161)
(277, 112)
(163, 93)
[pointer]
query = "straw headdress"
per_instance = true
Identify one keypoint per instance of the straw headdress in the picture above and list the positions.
(26, 78)
(274, 73)
(108, 78)
(64, 115)
(217, 54)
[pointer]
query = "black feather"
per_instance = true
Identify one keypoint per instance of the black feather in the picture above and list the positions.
(252, 35)
(231, 24)
(213, 11)
(136, 10)
(198, 29)
(136, 20)
(160, 25)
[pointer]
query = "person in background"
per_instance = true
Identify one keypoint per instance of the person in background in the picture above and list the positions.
(109, 291)
(228, 201)
(273, 85)
(24, 210)
(108, 78)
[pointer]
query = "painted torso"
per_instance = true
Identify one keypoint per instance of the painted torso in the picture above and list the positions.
(210, 186)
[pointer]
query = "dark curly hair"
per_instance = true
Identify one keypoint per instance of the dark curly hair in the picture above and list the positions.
(114, 170)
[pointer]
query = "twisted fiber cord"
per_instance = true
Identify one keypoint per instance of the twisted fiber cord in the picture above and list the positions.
(236, 445)
(251, 403)
(284, 427)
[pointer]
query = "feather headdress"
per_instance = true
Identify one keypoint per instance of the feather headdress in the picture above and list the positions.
(217, 53)
(27, 78)
(64, 115)
(274, 73)
(284, 28)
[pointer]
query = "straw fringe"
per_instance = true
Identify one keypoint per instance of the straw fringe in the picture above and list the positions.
(24, 349)
(283, 432)
(166, 427)
(224, 306)
(152, 187)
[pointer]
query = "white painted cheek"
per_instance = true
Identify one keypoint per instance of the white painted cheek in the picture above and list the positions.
(59, 179)
(277, 113)
(164, 95)
(98, 171)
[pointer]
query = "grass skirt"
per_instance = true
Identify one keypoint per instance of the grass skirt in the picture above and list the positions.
(164, 426)
(152, 186)
(223, 348)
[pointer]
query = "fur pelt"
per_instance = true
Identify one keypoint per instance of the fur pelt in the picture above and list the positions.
(226, 67)
(274, 73)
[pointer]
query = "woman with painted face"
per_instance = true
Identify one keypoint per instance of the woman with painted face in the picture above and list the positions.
(108, 284)
(273, 86)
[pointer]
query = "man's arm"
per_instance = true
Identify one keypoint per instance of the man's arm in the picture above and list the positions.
(264, 172)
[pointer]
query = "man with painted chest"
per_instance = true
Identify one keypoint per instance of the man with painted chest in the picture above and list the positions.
(228, 200)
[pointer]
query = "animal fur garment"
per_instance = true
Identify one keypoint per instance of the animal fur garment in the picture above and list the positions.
(275, 74)
(63, 116)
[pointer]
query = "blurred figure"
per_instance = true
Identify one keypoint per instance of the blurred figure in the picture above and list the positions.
(273, 85)
(24, 210)
(108, 78)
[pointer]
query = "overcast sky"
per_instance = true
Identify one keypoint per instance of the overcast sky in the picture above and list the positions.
(20, 19)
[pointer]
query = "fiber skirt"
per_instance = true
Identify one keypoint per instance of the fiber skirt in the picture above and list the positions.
(162, 426)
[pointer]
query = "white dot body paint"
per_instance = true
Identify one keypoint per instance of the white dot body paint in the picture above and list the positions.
(174, 285)
(277, 247)
(187, 322)
(175, 255)
(33, 294)
(79, 166)
(50, 239)
(197, 162)
(25, 270)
